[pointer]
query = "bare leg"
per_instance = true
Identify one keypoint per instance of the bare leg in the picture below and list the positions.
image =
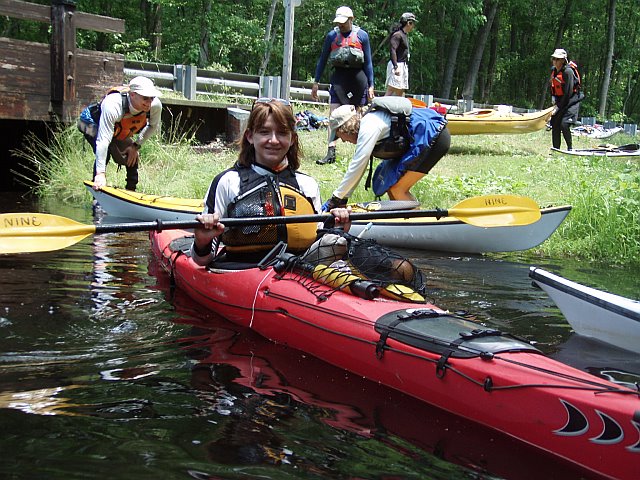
(394, 92)
(400, 191)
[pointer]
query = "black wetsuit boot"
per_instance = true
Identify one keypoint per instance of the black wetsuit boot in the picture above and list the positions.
(329, 158)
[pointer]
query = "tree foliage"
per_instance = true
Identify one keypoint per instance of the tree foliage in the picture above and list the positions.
(448, 47)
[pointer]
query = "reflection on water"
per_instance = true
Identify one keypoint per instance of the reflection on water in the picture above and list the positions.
(105, 370)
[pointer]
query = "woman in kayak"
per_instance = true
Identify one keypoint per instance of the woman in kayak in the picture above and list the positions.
(264, 182)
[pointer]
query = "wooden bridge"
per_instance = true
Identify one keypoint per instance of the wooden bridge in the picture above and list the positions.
(74, 76)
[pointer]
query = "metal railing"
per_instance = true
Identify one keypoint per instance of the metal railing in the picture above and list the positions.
(191, 81)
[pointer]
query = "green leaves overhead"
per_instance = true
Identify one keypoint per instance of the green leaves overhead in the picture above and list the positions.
(230, 35)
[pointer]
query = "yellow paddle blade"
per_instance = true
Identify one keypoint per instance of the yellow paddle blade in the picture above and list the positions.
(497, 211)
(39, 232)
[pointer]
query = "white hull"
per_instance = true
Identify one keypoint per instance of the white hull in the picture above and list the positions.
(449, 235)
(446, 234)
(595, 152)
(131, 208)
(607, 317)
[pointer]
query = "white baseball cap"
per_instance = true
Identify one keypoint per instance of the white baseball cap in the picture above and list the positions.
(144, 86)
(343, 14)
(559, 53)
(408, 17)
(339, 117)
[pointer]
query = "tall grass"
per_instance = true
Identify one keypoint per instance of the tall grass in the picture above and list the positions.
(604, 225)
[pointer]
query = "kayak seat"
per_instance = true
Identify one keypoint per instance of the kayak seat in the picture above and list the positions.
(222, 263)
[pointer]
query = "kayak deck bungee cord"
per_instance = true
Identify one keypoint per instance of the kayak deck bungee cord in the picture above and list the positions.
(478, 373)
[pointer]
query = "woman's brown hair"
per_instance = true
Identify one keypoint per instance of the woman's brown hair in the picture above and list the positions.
(283, 117)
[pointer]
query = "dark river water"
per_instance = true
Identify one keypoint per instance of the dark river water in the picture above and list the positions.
(105, 372)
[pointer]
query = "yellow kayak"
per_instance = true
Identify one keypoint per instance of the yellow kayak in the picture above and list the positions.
(490, 121)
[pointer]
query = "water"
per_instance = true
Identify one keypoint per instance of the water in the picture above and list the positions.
(106, 371)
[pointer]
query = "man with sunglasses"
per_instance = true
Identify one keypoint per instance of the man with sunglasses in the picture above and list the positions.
(348, 51)
(109, 127)
(398, 66)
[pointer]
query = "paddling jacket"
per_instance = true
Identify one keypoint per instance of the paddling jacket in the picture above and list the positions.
(262, 196)
(425, 125)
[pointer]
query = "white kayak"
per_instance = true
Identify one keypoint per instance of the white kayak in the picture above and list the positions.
(594, 313)
(595, 131)
(445, 234)
(449, 234)
(607, 150)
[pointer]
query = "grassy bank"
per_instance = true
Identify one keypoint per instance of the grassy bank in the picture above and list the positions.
(604, 225)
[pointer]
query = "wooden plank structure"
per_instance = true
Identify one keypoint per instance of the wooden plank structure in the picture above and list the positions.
(53, 82)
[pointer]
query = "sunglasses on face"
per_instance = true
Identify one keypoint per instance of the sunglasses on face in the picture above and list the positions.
(146, 99)
(284, 102)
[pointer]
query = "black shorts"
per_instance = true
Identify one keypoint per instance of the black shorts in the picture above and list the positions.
(430, 156)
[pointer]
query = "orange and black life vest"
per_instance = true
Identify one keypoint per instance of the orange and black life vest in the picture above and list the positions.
(130, 124)
(558, 81)
(350, 40)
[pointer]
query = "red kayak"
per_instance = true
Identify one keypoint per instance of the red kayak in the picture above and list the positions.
(447, 361)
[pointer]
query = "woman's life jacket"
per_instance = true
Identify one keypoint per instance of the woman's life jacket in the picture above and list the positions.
(558, 79)
(264, 196)
(347, 52)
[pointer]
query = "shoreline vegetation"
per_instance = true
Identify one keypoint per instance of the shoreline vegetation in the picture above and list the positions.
(603, 227)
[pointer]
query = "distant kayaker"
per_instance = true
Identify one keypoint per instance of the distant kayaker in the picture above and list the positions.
(398, 66)
(109, 127)
(565, 95)
(347, 50)
(425, 142)
(264, 182)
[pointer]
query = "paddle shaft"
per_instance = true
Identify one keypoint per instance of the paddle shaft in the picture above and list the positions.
(240, 222)
(245, 221)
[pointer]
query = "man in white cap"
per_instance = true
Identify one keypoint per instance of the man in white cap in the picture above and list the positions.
(347, 50)
(566, 96)
(398, 67)
(110, 125)
(409, 153)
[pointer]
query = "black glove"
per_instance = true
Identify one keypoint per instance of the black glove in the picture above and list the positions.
(334, 202)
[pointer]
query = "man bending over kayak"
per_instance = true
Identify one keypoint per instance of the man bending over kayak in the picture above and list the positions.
(409, 154)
